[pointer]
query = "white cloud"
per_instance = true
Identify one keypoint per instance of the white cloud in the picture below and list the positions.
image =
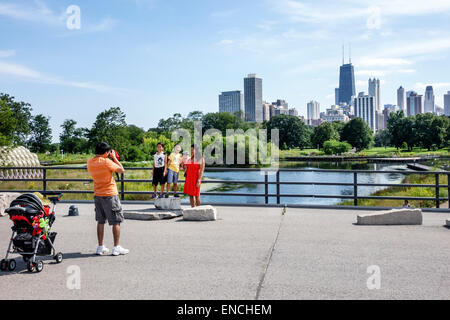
(346, 10)
(225, 42)
(382, 62)
(38, 13)
(28, 74)
(7, 53)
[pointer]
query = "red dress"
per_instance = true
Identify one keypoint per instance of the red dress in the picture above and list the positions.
(192, 175)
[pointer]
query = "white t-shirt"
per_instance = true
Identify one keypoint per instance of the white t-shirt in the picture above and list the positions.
(158, 160)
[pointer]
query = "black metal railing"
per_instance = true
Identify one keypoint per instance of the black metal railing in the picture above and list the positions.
(43, 178)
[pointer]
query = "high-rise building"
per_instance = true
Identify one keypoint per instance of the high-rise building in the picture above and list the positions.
(379, 117)
(401, 99)
(266, 111)
(281, 103)
(365, 109)
(346, 84)
(253, 98)
(313, 110)
(293, 112)
(231, 101)
(336, 96)
(447, 104)
(374, 91)
(429, 105)
(387, 113)
(414, 104)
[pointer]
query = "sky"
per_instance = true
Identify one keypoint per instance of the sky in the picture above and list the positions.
(154, 58)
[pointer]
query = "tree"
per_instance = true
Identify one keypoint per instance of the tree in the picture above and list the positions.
(8, 124)
(110, 127)
(324, 132)
(41, 134)
(338, 126)
(72, 139)
(382, 138)
(430, 130)
(293, 133)
(357, 133)
(22, 116)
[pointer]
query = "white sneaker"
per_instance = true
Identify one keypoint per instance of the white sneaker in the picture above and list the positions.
(119, 250)
(101, 250)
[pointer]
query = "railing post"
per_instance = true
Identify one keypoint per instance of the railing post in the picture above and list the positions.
(448, 190)
(122, 187)
(44, 180)
(278, 187)
(266, 187)
(355, 189)
(436, 176)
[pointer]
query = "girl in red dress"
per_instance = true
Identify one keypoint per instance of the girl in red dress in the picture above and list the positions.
(194, 167)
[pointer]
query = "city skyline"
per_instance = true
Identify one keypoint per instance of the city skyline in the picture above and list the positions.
(152, 58)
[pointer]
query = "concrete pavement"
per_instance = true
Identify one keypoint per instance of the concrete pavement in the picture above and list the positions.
(248, 252)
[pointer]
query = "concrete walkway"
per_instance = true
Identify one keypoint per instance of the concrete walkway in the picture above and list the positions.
(249, 253)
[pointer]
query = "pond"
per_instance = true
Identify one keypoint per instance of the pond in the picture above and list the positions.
(338, 177)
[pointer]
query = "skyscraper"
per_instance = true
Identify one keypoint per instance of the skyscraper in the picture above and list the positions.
(365, 109)
(374, 91)
(313, 110)
(401, 99)
(253, 98)
(429, 100)
(336, 96)
(414, 104)
(447, 104)
(346, 83)
(231, 101)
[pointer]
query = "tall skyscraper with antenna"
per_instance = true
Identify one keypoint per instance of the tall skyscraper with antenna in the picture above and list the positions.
(346, 81)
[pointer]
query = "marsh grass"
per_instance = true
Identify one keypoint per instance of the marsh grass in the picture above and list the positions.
(407, 192)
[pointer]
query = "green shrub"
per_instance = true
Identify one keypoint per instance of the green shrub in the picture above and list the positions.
(336, 147)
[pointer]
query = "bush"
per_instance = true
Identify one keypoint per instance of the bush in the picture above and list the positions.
(135, 154)
(336, 147)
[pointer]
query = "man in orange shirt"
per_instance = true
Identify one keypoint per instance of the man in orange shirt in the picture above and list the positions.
(106, 196)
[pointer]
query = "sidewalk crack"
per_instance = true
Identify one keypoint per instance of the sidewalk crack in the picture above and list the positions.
(269, 259)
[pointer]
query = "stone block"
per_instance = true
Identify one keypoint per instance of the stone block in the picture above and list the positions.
(151, 214)
(404, 216)
(201, 213)
(5, 200)
(170, 203)
(448, 222)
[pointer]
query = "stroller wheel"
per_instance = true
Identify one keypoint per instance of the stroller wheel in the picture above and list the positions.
(39, 265)
(12, 265)
(4, 265)
(30, 266)
(58, 257)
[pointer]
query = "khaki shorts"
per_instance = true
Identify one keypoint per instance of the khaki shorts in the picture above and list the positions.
(108, 208)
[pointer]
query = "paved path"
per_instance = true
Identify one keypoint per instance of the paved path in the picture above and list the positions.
(249, 253)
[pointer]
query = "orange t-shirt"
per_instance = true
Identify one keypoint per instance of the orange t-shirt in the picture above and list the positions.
(101, 170)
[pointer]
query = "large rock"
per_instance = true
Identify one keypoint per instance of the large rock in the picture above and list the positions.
(168, 203)
(201, 213)
(5, 200)
(151, 214)
(404, 216)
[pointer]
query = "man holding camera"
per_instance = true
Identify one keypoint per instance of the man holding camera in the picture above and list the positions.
(106, 196)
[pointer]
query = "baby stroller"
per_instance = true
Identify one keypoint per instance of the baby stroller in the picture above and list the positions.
(31, 232)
